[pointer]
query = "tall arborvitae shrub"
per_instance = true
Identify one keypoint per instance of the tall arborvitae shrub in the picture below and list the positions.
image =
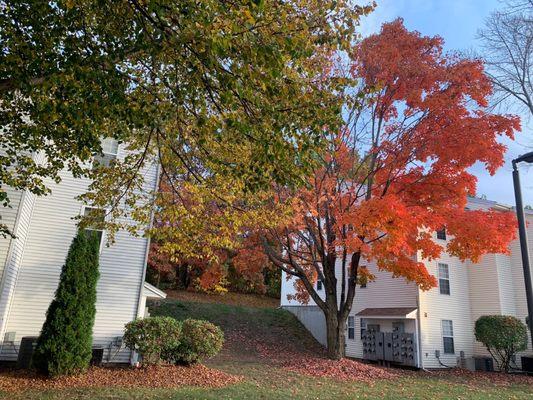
(65, 344)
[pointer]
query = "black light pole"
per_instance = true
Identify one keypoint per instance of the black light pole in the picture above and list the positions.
(528, 158)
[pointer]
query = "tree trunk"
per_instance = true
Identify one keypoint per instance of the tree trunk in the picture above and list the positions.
(336, 336)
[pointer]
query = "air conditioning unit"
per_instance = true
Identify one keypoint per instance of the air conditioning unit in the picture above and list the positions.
(527, 364)
(97, 356)
(9, 338)
(27, 346)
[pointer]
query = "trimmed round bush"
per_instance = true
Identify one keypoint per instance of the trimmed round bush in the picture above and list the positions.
(503, 335)
(200, 340)
(153, 337)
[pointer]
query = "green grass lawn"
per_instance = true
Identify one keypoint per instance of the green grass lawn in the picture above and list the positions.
(266, 380)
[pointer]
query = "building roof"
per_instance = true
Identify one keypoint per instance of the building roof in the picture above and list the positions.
(385, 312)
(152, 292)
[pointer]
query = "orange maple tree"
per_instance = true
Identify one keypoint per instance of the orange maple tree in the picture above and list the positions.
(395, 174)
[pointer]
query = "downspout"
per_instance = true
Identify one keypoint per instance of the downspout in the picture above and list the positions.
(418, 330)
(146, 253)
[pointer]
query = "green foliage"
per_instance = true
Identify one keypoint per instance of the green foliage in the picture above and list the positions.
(273, 282)
(200, 340)
(503, 335)
(238, 90)
(65, 343)
(165, 339)
(153, 337)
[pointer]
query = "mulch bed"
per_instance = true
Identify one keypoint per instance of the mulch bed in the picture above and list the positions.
(168, 376)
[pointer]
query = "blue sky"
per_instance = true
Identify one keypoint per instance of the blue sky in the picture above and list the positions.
(458, 21)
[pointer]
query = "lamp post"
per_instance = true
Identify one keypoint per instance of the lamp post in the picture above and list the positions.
(528, 158)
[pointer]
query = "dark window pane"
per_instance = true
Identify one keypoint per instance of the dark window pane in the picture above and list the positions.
(444, 286)
(448, 345)
(319, 285)
(351, 333)
(441, 234)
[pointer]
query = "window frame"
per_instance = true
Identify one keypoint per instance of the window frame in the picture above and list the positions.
(82, 214)
(105, 153)
(350, 327)
(447, 335)
(362, 323)
(441, 278)
(441, 234)
(364, 285)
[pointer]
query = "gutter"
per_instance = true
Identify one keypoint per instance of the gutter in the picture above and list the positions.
(418, 324)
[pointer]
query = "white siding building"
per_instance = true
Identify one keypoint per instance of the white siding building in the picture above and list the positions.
(441, 319)
(30, 265)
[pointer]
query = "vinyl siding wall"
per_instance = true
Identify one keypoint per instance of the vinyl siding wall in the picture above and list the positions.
(121, 268)
(517, 274)
(9, 216)
(495, 285)
(435, 307)
(22, 209)
(385, 291)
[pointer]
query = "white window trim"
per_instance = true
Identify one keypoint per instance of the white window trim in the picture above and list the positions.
(445, 279)
(104, 234)
(348, 327)
(362, 322)
(106, 153)
(447, 336)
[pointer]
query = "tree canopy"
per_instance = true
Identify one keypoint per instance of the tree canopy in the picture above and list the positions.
(394, 175)
(209, 89)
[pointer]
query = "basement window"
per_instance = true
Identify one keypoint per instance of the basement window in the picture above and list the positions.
(351, 327)
(447, 336)
(109, 153)
(444, 279)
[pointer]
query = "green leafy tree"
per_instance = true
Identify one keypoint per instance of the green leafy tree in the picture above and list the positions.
(212, 90)
(503, 335)
(65, 344)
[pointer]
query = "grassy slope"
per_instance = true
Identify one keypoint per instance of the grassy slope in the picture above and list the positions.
(230, 298)
(265, 380)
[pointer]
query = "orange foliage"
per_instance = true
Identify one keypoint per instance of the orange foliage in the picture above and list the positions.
(399, 170)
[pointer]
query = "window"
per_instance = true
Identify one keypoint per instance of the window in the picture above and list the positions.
(351, 327)
(319, 285)
(441, 234)
(363, 279)
(363, 328)
(109, 153)
(97, 217)
(444, 279)
(447, 336)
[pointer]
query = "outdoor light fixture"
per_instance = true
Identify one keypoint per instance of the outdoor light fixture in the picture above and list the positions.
(527, 158)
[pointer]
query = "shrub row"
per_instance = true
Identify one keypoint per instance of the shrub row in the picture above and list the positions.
(164, 339)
